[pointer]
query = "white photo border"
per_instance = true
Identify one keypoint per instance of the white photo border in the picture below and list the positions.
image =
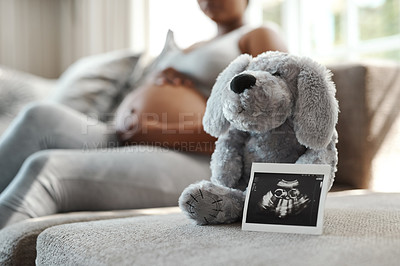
(297, 169)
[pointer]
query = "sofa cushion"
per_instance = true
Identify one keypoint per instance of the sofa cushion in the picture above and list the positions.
(96, 84)
(18, 241)
(17, 89)
(358, 230)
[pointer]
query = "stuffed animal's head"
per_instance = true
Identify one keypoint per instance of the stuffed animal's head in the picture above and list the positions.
(259, 94)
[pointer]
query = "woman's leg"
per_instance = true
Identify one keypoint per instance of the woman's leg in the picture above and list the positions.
(46, 126)
(72, 180)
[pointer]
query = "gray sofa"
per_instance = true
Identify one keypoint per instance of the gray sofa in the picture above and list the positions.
(361, 227)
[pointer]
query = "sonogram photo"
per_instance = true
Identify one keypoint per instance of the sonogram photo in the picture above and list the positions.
(286, 199)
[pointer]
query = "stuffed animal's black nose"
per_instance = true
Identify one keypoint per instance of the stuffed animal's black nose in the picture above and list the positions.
(242, 82)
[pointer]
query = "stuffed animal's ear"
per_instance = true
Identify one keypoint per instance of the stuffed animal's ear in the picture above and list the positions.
(316, 109)
(214, 121)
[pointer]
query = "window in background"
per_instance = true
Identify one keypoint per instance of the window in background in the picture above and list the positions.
(272, 11)
(337, 30)
(379, 25)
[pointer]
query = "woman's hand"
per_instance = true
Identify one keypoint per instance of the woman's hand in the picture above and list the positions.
(126, 122)
(170, 76)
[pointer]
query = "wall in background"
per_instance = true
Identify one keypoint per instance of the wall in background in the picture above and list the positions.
(29, 34)
(92, 26)
(44, 37)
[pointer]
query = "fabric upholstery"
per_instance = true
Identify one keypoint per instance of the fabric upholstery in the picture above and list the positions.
(96, 84)
(358, 230)
(18, 241)
(368, 96)
(17, 89)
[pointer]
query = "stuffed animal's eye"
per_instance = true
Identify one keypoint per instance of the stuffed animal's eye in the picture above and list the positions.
(276, 74)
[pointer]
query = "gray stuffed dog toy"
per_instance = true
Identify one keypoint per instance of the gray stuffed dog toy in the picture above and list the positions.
(274, 108)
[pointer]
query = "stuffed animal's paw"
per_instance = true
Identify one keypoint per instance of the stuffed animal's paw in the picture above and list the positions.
(207, 203)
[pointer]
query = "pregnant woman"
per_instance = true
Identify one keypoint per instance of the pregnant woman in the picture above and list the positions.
(50, 160)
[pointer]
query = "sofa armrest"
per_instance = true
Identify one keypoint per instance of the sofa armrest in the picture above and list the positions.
(368, 97)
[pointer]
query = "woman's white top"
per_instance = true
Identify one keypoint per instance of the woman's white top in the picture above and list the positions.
(203, 63)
